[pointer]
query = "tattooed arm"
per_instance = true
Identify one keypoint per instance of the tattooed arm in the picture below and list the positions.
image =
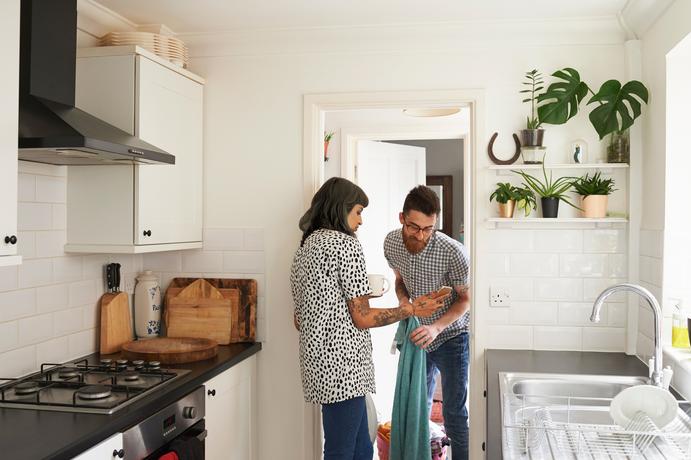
(365, 317)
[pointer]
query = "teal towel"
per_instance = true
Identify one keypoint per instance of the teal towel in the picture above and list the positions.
(409, 417)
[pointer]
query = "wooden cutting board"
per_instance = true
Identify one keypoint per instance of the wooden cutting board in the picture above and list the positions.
(243, 296)
(171, 350)
(199, 310)
(116, 322)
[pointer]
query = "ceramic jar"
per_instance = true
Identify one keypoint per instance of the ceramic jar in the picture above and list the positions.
(147, 306)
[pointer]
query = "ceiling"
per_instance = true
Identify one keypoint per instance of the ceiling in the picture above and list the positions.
(187, 16)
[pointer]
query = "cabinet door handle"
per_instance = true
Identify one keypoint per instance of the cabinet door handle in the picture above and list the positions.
(147, 232)
(211, 392)
(119, 453)
(11, 239)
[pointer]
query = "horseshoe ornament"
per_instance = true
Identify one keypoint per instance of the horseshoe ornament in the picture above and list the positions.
(496, 160)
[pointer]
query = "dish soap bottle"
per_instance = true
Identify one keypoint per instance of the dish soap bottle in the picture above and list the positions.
(680, 330)
(147, 306)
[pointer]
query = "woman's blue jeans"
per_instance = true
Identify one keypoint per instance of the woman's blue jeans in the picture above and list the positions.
(452, 360)
(346, 432)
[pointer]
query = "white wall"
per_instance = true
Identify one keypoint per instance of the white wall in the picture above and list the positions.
(663, 36)
(253, 157)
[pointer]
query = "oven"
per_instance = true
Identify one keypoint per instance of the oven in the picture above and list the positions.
(181, 423)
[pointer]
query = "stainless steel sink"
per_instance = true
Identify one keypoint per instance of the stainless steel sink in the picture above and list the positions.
(555, 416)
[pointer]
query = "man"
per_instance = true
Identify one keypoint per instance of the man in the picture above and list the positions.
(425, 260)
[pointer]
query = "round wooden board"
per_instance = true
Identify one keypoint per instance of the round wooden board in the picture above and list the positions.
(171, 350)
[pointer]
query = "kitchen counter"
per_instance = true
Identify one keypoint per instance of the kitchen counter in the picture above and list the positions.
(39, 434)
(558, 362)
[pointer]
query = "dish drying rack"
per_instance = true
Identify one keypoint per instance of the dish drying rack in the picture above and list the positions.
(539, 427)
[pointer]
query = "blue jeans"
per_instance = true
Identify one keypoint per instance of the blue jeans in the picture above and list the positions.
(452, 360)
(346, 433)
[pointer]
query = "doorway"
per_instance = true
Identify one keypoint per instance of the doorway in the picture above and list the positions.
(320, 164)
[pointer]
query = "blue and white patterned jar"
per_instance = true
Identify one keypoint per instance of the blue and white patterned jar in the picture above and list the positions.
(147, 306)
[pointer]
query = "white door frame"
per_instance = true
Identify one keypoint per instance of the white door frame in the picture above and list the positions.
(315, 105)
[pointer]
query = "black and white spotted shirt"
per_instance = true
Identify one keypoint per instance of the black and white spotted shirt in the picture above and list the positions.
(443, 262)
(335, 356)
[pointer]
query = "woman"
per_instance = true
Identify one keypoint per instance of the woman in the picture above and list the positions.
(332, 314)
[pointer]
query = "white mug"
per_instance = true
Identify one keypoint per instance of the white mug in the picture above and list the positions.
(379, 284)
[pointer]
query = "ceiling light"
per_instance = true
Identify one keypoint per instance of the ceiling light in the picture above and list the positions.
(438, 112)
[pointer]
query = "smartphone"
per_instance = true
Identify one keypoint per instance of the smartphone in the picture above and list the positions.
(443, 291)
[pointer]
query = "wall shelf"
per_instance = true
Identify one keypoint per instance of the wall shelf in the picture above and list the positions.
(561, 166)
(539, 222)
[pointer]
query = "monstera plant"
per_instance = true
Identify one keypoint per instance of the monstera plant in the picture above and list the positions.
(617, 106)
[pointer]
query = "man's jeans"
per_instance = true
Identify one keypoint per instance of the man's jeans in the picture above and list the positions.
(451, 359)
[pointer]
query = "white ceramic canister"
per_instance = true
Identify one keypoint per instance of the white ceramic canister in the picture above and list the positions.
(147, 306)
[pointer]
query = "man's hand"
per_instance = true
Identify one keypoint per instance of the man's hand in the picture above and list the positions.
(424, 335)
(427, 304)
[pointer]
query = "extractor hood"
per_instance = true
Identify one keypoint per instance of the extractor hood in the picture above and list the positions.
(51, 129)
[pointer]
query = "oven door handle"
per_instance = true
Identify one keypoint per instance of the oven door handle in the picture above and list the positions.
(202, 436)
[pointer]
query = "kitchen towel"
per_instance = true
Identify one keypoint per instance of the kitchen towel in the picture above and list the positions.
(409, 417)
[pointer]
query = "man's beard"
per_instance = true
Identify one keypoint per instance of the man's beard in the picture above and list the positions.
(413, 245)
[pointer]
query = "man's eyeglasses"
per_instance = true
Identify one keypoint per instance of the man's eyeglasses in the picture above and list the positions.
(415, 229)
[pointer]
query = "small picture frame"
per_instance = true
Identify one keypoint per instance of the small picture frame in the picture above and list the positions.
(579, 151)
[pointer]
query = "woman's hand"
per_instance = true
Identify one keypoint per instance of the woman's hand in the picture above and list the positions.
(428, 304)
(424, 335)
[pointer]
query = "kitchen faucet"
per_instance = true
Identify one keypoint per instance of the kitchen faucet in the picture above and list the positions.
(657, 319)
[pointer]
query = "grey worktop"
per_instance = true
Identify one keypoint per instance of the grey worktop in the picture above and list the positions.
(558, 362)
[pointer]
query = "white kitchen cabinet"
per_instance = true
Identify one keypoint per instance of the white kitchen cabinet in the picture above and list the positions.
(138, 208)
(9, 101)
(109, 449)
(230, 413)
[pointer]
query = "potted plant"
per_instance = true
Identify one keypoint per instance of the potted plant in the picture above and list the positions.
(327, 139)
(505, 196)
(532, 135)
(550, 191)
(618, 106)
(594, 192)
(525, 200)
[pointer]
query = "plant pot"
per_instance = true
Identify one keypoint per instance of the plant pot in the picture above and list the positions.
(618, 149)
(532, 137)
(594, 206)
(550, 207)
(326, 149)
(533, 155)
(506, 209)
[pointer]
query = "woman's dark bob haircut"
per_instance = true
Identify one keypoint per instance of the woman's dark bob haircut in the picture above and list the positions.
(330, 207)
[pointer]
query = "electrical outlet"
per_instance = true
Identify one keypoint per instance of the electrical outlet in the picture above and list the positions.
(499, 296)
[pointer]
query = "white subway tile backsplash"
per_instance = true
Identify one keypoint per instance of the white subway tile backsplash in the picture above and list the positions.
(650, 270)
(17, 304)
(644, 347)
(59, 217)
(8, 336)
(532, 313)
(557, 338)
(618, 266)
(224, 239)
(51, 189)
(9, 278)
(67, 269)
(26, 244)
(497, 315)
(68, 321)
(651, 243)
(593, 287)
(604, 339)
(583, 265)
(53, 351)
(520, 288)
(578, 314)
(497, 264)
(52, 298)
(91, 315)
(645, 321)
(18, 362)
(510, 337)
(604, 241)
(42, 169)
(534, 264)
(50, 243)
(163, 261)
(82, 293)
(200, 261)
(35, 329)
(243, 262)
(558, 241)
(94, 265)
(34, 216)
(254, 239)
(567, 289)
(510, 241)
(36, 272)
(618, 313)
(26, 187)
(82, 343)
